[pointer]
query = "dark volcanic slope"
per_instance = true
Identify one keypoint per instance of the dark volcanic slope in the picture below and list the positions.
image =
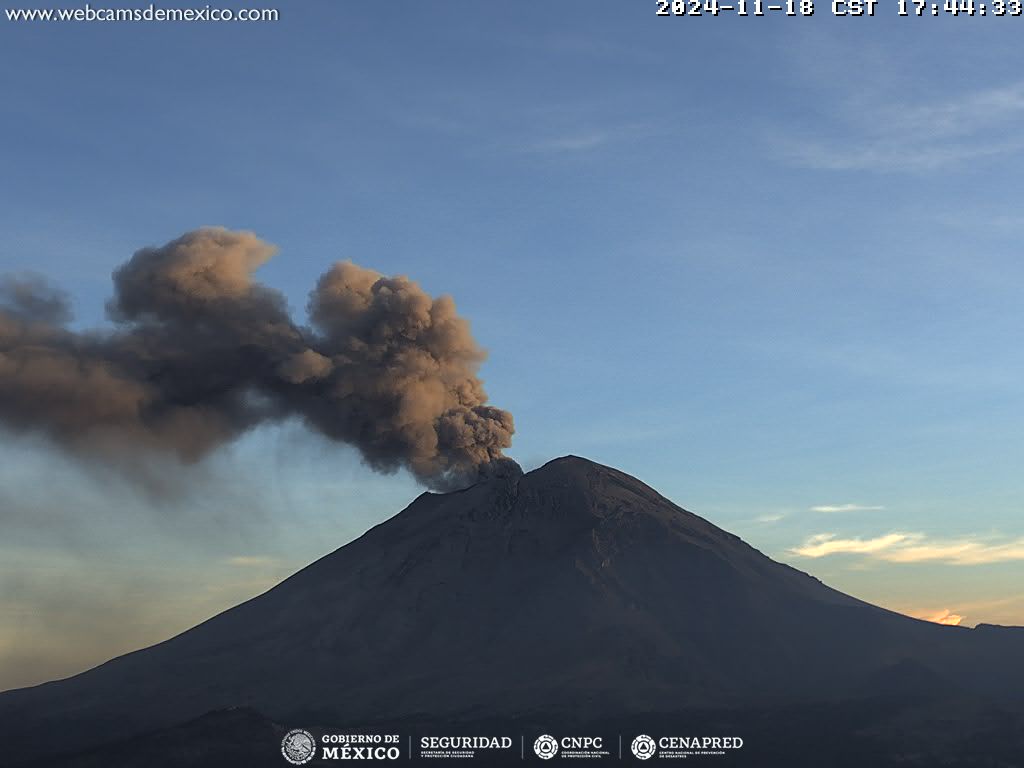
(574, 588)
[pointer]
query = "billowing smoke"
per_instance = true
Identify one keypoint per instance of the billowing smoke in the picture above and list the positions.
(201, 353)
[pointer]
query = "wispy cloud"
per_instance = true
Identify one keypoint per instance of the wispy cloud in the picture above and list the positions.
(901, 547)
(493, 125)
(945, 616)
(588, 139)
(573, 142)
(894, 360)
(868, 132)
(1008, 611)
(824, 544)
(769, 518)
(884, 154)
(253, 561)
(829, 508)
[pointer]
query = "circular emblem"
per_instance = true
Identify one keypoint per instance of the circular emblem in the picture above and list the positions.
(546, 747)
(298, 746)
(644, 747)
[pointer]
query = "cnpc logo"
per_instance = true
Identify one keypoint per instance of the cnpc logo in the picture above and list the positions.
(547, 746)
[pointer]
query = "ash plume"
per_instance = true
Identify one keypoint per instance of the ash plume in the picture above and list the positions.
(200, 353)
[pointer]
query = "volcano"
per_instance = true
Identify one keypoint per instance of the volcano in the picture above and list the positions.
(571, 592)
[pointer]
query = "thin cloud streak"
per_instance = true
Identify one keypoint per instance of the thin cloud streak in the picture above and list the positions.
(945, 616)
(871, 135)
(824, 544)
(253, 561)
(767, 519)
(830, 508)
(586, 139)
(903, 547)
(884, 158)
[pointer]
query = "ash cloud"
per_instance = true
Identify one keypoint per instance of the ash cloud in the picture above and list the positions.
(29, 297)
(200, 353)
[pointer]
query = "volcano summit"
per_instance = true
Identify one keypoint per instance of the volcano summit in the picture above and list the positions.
(571, 593)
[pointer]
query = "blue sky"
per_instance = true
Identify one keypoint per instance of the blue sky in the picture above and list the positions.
(764, 264)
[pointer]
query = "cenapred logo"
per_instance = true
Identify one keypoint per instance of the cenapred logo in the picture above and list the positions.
(298, 746)
(643, 747)
(546, 747)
